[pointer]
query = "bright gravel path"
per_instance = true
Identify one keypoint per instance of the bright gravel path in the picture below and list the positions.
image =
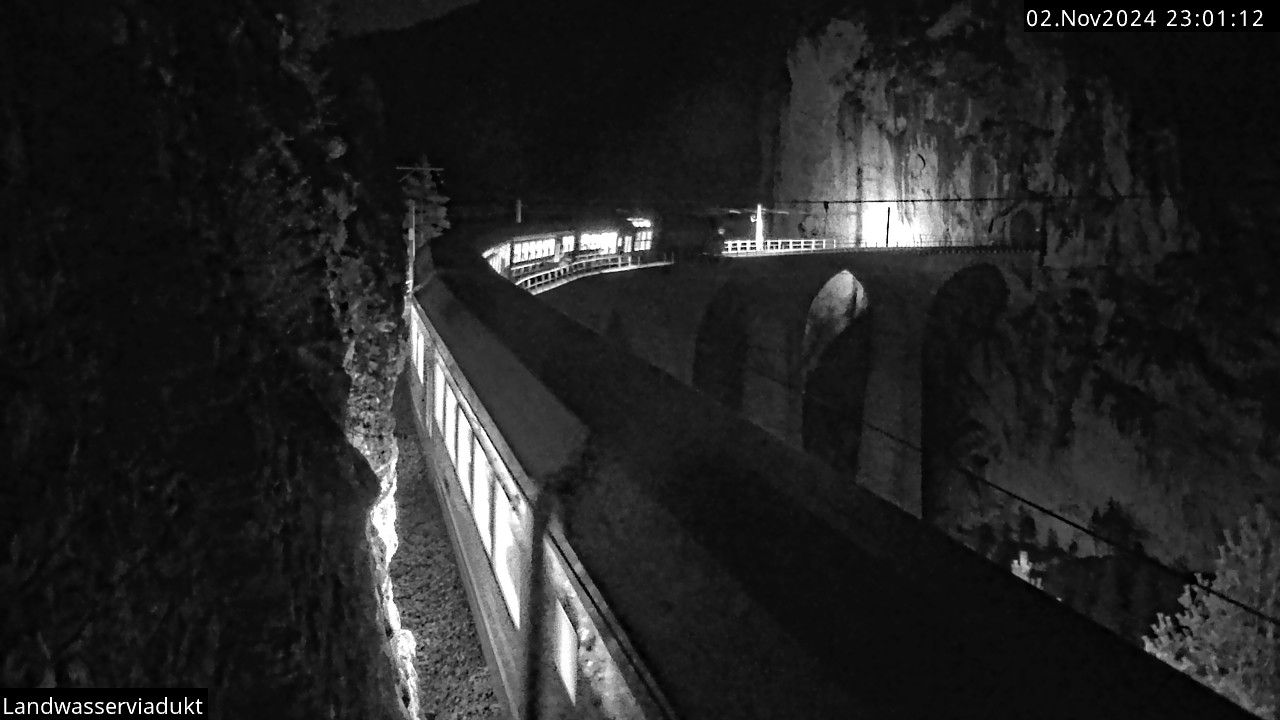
(453, 680)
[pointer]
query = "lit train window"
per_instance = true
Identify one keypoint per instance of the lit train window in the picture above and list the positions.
(450, 423)
(464, 454)
(419, 348)
(597, 241)
(437, 392)
(508, 560)
(566, 652)
(481, 502)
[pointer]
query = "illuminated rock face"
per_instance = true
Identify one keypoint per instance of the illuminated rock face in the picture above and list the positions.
(969, 110)
(1122, 384)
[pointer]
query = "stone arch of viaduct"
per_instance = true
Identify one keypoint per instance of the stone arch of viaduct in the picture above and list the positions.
(827, 352)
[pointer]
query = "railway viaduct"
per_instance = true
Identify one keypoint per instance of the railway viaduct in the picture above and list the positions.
(632, 548)
(815, 348)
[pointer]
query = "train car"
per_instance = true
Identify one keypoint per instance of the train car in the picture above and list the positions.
(689, 233)
(537, 247)
(641, 238)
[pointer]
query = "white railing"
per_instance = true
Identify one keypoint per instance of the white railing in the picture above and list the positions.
(781, 245)
(789, 246)
(545, 280)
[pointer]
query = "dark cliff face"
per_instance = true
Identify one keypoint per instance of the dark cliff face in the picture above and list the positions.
(586, 100)
(179, 507)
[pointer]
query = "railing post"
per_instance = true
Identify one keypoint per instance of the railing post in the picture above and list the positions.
(413, 249)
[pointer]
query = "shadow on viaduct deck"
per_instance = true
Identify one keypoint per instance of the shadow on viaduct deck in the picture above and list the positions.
(633, 549)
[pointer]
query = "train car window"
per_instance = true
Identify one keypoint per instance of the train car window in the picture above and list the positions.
(437, 392)
(508, 560)
(482, 500)
(566, 652)
(465, 442)
(419, 348)
(450, 423)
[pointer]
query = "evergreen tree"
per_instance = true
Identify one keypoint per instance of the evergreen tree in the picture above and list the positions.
(1227, 647)
(424, 204)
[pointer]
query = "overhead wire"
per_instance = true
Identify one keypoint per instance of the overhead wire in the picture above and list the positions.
(531, 203)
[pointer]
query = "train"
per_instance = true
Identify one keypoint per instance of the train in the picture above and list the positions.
(546, 245)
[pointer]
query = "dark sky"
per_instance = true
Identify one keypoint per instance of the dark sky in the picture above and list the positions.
(362, 16)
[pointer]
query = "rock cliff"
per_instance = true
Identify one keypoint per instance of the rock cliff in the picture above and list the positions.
(1131, 382)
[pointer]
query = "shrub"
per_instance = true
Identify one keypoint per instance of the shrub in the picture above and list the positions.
(1231, 647)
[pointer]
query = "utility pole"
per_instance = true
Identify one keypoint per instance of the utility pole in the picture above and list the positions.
(413, 243)
(408, 170)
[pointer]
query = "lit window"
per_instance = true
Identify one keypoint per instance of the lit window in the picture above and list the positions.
(508, 561)
(419, 348)
(567, 652)
(450, 423)
(437, 392)
(600, 241)
(464, 454)
(481, 507)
